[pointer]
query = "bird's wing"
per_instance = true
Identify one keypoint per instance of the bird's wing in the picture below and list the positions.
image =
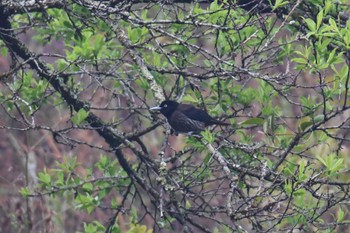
(196, 114)
(180, 122)
(200, 115)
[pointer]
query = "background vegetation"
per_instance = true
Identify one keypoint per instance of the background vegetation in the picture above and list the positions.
(81, 152)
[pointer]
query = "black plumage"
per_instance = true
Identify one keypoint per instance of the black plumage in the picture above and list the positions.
(185, 118)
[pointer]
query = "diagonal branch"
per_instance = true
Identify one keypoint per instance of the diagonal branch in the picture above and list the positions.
(111, 136)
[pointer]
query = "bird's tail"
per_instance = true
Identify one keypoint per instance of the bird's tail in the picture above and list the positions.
(216, 122)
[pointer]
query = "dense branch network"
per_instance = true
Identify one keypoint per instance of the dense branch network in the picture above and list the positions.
(121, 57)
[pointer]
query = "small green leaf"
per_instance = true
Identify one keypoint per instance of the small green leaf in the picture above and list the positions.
(288, 187)
(144, 14)
(208, 136)
(302, 170)
(25, 192)
(80, 116)
(300, 60)
(319, 19)
(86, 202)
(305, 124)
(318, 118)
(332, 163)
(327, 6)
(189, 98)
(331, 56)
(333, 25)
(340, 215)
(278, 4)
(253, 121)
(67, 24)
(142, 83)
(4, 51)
(44, 178)
(88, 187)
(310, 24)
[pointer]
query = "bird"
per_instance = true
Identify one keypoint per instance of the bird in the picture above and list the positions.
(185, 118)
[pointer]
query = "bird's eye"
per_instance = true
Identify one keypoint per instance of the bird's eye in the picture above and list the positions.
(165, 106)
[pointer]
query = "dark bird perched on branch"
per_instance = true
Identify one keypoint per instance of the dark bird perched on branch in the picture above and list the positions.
(185, 118)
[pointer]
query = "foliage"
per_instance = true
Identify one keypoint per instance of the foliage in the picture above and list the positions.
(278, 72)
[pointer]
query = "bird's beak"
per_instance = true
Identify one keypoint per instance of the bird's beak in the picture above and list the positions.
(155, 108)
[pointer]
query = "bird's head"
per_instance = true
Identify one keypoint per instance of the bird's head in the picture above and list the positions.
(167, 107)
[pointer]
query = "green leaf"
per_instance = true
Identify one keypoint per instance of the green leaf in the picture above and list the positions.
(214, 6)
(332, 163)
(4, 51)
(340, 215)
(278, 4)
(25, 192)
(157, 59)
(253, 121)
(331, 56)
(142, 83)
(80, 116)
(97, 44)
(144, 14)
(305, 125)
(307, 122)
(288, 187)
(300, 60)
(67, 24)
(318, 118)
(319, 19)
(333, 25)
(343, 73)
(88, 187)
(208, 136)
(346, 38)
(86, 202)
(96, 227)
(310, 24)
(44, 177)
(189, 98)
(328, 5)
(302, 171)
